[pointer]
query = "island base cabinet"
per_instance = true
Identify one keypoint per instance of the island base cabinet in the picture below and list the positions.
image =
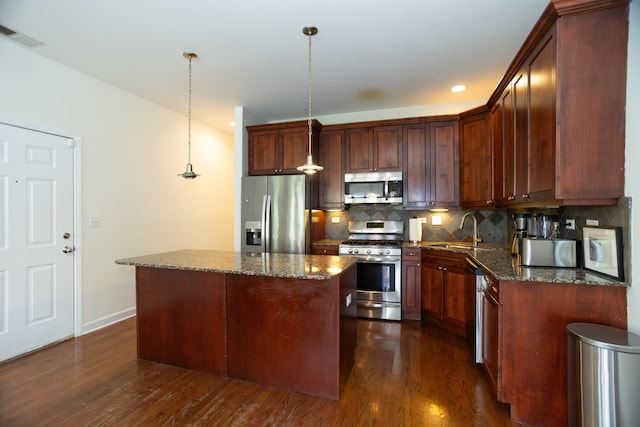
(312, 351)
(181, 318)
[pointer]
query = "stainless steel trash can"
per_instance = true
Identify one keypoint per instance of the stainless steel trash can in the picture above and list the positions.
(603, 376)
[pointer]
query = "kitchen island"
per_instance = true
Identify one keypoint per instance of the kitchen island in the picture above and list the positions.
(276, 319)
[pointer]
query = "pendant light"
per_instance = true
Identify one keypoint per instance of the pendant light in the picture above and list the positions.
(189, 173)
(309, 168)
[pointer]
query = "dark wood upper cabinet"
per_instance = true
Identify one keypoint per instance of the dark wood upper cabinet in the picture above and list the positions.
(331, 179)
(280, 148)
(476, 160)
(431, 164)
(417, 165)
(562, 105)
(373, 149)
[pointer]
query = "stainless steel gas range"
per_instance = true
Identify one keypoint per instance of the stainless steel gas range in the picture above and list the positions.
(378, 247)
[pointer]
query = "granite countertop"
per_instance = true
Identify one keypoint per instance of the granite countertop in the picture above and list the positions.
(315, 267)
(497, 259)
(328, 242)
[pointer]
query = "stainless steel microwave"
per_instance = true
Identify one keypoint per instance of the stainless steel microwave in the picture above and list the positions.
(373, 187)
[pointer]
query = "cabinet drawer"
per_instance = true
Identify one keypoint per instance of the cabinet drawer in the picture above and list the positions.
(411, 254)
(324, 249)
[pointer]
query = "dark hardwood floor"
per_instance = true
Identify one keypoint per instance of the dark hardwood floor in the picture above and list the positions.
(406, 374)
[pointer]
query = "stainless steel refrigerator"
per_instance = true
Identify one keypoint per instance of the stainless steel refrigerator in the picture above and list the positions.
(276, 214)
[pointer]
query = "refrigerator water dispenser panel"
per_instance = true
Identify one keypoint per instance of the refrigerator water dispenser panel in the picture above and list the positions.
(253, 233)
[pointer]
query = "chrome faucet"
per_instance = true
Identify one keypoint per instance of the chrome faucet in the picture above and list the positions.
(475, 227)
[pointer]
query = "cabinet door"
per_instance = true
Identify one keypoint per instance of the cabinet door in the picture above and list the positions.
(490, 343)
(387, 148)
(263, 153)
(331, 179)
(542, 118)
(417, 167)
(445, 178)
(455, 304)
(521, 105)
(508, 146)
(359, 150)
(496, 143)
(432, 290)
(294, 146)
(411, 284)
(476, 162)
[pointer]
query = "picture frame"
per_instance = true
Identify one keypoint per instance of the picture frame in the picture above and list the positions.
(602, 250)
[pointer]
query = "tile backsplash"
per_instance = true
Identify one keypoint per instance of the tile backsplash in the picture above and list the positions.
(492, 224)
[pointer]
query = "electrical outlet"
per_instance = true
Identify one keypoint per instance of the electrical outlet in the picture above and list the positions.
(423, 220)
(593, 222)
(570, 224)
(335, 219)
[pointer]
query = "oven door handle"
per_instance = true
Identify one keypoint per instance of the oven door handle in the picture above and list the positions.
(379, 260)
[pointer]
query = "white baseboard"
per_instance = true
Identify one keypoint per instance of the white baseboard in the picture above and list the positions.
(108, 320)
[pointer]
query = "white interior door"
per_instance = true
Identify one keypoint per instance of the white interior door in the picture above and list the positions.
(36, 240)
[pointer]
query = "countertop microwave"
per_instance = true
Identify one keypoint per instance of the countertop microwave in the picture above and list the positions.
(373, 187)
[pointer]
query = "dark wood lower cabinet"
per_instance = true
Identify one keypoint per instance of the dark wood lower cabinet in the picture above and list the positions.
(447, 293)
(411, 284)
(532, 342)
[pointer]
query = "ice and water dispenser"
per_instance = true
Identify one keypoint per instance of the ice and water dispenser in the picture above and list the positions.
(253, 233)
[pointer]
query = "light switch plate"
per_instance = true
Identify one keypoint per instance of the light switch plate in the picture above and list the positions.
(593, 222)
(335, 219)
(95, 221)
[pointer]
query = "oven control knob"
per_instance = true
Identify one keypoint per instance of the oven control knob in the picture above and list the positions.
(388, 251)
(355, 251)
(381, 251)
(368, 251)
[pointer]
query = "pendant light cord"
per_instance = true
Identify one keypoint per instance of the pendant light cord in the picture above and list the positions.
(310, 89)
(189, 131)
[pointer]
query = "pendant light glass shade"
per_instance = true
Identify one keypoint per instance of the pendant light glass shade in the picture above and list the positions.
(189, 173)
(309, 167)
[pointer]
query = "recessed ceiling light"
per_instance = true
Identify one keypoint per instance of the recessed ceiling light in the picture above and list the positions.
(458, 88)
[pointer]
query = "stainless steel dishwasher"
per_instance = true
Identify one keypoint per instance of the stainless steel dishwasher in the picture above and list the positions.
(478, 271)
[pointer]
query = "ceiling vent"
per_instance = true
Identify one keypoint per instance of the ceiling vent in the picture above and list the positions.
(18, 37)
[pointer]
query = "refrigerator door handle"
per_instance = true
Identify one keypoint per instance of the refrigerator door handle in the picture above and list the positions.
(266, 223)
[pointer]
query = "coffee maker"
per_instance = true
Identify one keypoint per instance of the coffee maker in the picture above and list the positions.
(520, 223)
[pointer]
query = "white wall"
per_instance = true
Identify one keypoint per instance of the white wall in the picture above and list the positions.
(131, 153)
(632, 155)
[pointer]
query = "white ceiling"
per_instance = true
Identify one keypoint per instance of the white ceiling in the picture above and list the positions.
(368, 54)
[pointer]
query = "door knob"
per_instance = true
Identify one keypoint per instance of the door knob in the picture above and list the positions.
(68, 250)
